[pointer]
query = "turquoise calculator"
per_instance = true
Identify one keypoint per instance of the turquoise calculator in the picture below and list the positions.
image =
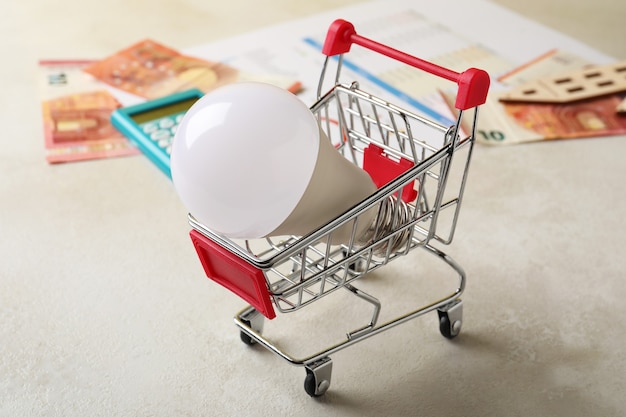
(152, 125)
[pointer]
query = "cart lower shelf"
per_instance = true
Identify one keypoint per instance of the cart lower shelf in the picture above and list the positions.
(319, 365)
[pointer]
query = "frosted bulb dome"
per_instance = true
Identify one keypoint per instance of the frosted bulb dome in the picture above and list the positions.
(243, 156)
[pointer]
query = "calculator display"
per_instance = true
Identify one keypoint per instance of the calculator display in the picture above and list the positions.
(164, 111)
(152, 125)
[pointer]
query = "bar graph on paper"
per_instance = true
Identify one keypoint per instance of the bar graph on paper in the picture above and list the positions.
(271, 51)
(413, 33)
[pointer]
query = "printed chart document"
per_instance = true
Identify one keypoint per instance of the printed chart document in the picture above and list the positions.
(456, 35)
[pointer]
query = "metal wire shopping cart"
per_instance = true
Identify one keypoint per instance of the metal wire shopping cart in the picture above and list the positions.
(417, 204)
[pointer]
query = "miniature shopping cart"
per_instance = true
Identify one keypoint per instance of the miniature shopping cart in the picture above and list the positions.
(410, 158)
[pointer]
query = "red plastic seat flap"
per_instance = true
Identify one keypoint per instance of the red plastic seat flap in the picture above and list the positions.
(382, 169)
(233, 273)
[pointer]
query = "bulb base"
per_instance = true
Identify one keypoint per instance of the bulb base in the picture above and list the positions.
(392, 215)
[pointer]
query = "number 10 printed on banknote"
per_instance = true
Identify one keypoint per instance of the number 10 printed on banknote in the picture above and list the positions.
(76, 110)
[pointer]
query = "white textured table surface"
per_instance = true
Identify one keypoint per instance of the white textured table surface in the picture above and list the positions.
(104, 309)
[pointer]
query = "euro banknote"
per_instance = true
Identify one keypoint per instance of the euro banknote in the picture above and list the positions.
(76, 109)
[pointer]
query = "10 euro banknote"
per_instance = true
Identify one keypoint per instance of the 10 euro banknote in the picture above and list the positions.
(76, 111)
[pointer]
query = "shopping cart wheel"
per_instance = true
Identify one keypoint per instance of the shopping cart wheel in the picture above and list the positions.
(246, 338)
(317, 378)
(252, 319)
(451, 319)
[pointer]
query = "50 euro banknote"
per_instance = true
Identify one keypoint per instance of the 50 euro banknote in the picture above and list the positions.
(149, 69)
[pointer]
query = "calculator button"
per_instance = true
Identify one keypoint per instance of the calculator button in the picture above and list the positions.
(150, 127)
(164, 143)
(166, 123)
(179, 118)
(173, 129)
(160, 134)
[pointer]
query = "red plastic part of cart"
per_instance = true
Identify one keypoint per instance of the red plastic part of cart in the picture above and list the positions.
(473, 83)
(234, 273)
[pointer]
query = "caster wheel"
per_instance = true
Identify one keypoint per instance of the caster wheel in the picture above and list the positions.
(318, 376)
(311, 386)
(252, 320)
(448, 330)
(246, 338)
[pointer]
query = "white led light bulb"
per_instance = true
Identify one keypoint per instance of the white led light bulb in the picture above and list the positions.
(249, 160)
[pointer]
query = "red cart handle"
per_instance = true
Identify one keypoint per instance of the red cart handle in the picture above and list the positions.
(473, 83)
